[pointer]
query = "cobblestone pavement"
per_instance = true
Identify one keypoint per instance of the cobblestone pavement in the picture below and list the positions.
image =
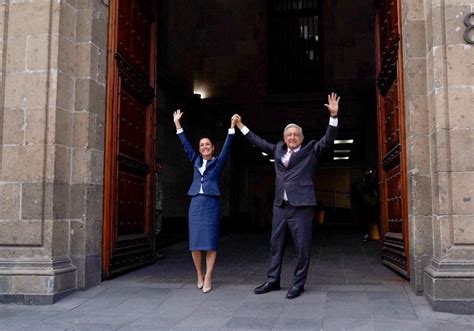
(347, 289)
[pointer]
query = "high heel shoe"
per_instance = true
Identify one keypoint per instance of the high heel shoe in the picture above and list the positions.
(206, 289)
(200, 285)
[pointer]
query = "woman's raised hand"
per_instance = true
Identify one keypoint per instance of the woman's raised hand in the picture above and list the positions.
(176, 117)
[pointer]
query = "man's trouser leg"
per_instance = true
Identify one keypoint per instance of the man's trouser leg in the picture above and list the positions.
(278, 243)
(300, 223)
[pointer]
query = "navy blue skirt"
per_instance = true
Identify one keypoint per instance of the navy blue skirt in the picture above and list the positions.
(204, 223)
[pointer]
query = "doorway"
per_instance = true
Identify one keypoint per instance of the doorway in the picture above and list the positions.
(220, 57)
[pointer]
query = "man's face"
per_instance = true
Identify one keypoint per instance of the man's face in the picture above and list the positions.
(293, 138)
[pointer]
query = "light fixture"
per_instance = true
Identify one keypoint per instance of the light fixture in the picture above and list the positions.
(343, 141)
(341, 158)
(264, 154)
(200, 93)
(342, 151)
(271, 160)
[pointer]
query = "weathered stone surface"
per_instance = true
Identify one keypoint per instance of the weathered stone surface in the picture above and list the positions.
(463, 193)
(460, 64)
(416, 74)
(26, 90)
(10, 194)
(62, 164)
(60, 239)
(23, 163)
(21, 232)
(63, 127)
(461, 100)
(66, 91)
(81, 165)
(78, 201)
(30, 18)
(67, 21)
(462, 149)
(463, 228)
(14, 126)
(39, 48)
(78, 238)
(84, 25)
(16, 59)
(416, 38)
(61, 201)
(67, 56)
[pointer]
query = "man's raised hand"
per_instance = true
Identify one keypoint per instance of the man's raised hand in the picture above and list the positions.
(333, 104)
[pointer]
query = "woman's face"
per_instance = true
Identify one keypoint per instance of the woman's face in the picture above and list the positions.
(206, 148)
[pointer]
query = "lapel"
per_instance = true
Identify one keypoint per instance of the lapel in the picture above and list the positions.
(210, 164)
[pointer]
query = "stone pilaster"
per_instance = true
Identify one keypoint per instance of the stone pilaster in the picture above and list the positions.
(449, 278)
(52, 94)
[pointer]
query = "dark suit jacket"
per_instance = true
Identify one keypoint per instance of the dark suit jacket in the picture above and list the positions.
(210, 178)
(297, 178)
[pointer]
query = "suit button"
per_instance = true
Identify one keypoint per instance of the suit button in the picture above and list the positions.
(202, 179)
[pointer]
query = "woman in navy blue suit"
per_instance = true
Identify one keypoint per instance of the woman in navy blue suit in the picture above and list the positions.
(204, 210)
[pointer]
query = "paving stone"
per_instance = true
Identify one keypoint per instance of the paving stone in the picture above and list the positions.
(342, 324)
(297, 324)
(250, 323)
(400, 326)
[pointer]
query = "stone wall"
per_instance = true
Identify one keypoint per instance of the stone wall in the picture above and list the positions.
(53, 101)
(439, 81)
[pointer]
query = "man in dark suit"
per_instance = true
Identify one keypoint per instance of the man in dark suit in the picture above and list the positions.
(294, 195)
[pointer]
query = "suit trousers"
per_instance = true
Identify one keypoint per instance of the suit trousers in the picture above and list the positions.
(299, 222)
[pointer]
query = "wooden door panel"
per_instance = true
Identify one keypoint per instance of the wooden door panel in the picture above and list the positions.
(391, 137)
(130, 137)
(133, 123)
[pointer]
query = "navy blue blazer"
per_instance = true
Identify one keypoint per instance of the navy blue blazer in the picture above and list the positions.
(297, 178)
(210, 178)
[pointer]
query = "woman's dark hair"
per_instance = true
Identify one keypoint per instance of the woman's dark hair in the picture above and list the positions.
(210, 139)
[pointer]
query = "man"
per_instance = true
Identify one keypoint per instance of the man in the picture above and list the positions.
(294, 195)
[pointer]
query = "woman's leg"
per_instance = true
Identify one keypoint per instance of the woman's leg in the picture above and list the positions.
(197, 259)
(210, 261)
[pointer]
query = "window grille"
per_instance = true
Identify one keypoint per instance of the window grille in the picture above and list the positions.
(295, 54)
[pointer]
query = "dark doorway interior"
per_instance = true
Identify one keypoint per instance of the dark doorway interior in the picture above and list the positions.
(218, 58)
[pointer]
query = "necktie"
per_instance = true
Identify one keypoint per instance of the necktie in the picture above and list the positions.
(287, 161)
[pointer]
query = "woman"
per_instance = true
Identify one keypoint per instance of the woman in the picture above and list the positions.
(204, 210)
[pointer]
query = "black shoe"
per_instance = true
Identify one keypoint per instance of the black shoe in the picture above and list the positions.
(266, 287)
(294, 292)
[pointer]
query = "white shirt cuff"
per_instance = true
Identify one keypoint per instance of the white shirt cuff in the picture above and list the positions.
(333, 121)
(231, 131)
(179, 131)
(244, 130)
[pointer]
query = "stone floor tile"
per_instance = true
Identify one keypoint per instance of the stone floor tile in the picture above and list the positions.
(400, 326)
(300, 310)
(260, 309)
(342, 324)
(250, 323)
(284, 323)
(392, 312)
(352, 310)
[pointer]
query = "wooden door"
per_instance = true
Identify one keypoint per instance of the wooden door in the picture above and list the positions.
(128, 239)
(391, 137)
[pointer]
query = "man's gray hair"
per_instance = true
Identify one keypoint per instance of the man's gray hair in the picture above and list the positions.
(293, 125)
